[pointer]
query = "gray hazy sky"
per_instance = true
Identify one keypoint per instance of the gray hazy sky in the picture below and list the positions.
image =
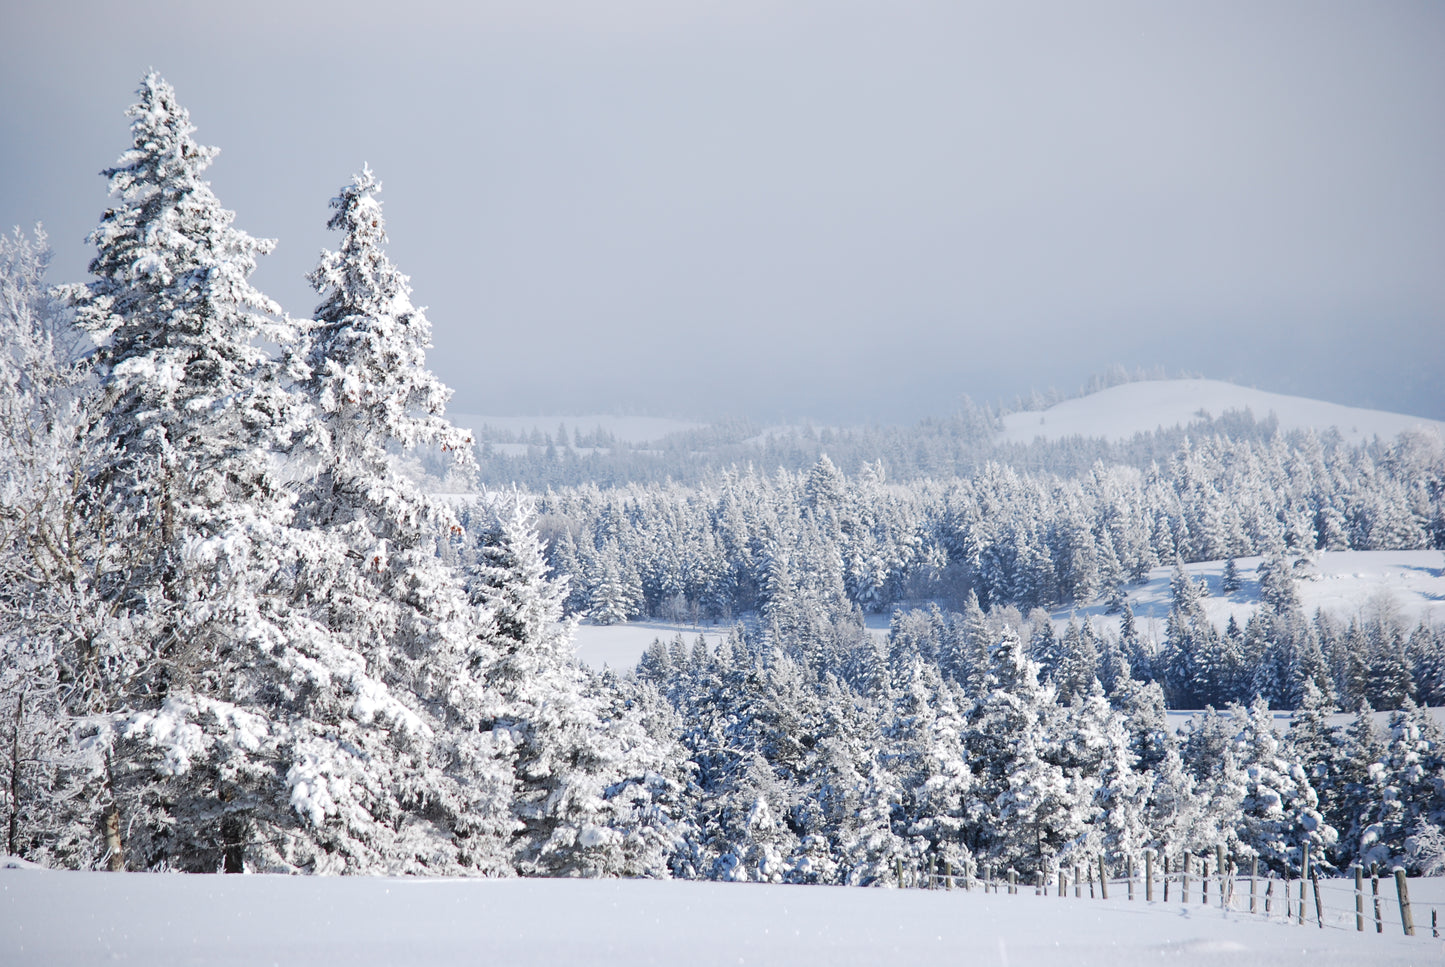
(839, 210)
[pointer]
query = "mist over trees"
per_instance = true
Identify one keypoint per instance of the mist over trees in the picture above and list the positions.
(242, 628)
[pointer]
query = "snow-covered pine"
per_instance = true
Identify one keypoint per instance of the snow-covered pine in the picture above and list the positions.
(46, 549)
(192, 412)
(386, 762)
(1280, 810)
(1023, 810)
(594, 784)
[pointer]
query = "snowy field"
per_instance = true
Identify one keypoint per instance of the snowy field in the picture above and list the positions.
(620, 646)
(1120, 412)
(50, 919)
(1408, 586)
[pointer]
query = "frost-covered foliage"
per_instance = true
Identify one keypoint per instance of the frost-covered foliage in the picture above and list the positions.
(790, 546)
(827, 759)
(1013, 537)
(45, 553)
(237, 634)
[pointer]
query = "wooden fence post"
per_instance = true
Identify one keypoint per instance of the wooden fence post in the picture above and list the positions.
(1148, 876)
(1319, 908)
(1304, 872)
(1129, 868)
(1375, 889)
(1166, 877)
(1219, 867)
(1103, 879)
(1184, 879)
(1204, 880)
(900, 872)
(1013, 881)
(1253, 881)
(1407, 919)
(948, 874)
(1078, 883)
(1434, 924)
(1359, 898)
(1268, 895)
(1063, 887)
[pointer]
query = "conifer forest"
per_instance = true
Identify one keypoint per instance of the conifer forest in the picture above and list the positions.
(264, 608)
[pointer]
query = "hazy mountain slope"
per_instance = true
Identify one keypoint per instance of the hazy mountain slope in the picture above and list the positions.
(1120, 412)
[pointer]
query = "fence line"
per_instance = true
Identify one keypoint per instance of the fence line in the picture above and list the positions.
(1298, 897)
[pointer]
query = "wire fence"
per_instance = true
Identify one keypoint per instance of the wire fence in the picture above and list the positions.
(1365, 901)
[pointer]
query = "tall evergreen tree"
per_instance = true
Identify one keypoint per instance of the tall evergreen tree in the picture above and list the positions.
(192, 411)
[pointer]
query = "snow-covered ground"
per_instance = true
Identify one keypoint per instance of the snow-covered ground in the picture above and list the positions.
(620, 646)
(627, 429)
(50, 919)
(1407, 585)
(1120, 412)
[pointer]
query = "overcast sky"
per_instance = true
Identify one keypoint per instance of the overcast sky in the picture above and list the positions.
(836, 210)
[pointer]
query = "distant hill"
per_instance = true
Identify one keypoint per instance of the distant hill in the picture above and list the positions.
(1120, 412)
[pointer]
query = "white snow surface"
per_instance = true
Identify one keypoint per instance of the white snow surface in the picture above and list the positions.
(621, 646)
(1408, 586)
(59, 919)
(627, 429)
(1120, 412)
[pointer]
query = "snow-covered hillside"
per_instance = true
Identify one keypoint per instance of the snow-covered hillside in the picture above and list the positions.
(1406, 585)
(60, 919)
(1120, 412)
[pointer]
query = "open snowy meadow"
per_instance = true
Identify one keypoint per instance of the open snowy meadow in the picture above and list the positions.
(56, 919)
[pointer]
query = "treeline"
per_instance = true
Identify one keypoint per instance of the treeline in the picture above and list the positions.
(933, 448)
(832, 757)
(743, 540)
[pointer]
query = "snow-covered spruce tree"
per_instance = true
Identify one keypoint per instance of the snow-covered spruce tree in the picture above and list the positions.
(385, 759)
(595, 779)
(1407, 816)
(1022, 810)
(1280, 810)
(1211, 750)
(46, 549)
(191, 410)
(925, 749)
